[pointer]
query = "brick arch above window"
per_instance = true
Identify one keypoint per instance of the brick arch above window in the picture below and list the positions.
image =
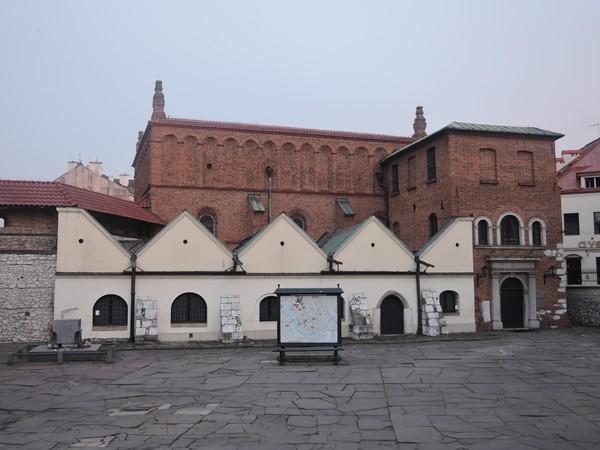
(208, 218)
(483, 231)
(299, 218)
(537, 232)
(510, 229)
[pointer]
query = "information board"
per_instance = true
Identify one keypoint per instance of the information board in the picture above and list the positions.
(309, 318)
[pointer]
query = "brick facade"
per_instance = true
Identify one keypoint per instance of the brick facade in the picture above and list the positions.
(210, 166)
(485, 175)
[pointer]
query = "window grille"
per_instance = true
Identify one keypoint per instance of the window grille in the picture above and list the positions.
(188, 308)
(268, 309)
(448, 302)
(509, 231)
(110, 310)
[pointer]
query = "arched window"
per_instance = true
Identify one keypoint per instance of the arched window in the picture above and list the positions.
(509, 231)
(268, 311)
(188, 308)
(573, 269)
(433, 225)
(483, 230)
(449, 302)
(536, 233)
(109, 311)
(209, 222)
(299, 220)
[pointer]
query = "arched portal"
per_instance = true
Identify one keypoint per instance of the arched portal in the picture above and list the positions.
(511, 304)
(392, 315)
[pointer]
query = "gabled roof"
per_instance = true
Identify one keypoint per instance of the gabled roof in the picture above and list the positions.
(481, 128)
(587, 161)
(337, 239)
(274, 129)
(51, 193)
(249, 241)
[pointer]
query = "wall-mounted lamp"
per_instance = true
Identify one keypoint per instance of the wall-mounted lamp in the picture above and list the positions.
(551, 272)
(485, 271)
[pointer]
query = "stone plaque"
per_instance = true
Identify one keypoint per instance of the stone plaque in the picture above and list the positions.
(67, 331)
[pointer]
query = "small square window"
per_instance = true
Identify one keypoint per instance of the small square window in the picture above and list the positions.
(256, 203)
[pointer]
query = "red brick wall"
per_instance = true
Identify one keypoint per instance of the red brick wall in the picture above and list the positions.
(193, 168)
(463, 187)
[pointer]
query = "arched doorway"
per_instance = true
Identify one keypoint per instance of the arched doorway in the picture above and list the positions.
(392, 315)
(511, 304)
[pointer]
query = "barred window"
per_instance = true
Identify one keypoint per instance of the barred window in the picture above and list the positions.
(395, 178)
(482, 233)
(188, 308)
(536, 233)
(268, 309)
(509, 231)
(448, 302)
(110, 310)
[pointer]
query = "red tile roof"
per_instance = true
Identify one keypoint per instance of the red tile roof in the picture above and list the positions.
(233, 126)
(51, 193)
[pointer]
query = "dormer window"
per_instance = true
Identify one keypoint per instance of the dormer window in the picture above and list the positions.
(590, 182)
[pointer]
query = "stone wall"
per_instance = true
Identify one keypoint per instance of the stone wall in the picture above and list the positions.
(26, 297)
(583, 305)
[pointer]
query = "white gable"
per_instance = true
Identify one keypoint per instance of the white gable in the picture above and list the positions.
(374, 248)
(184, 245)
(451, 250)
(85, 246)
(282, 247)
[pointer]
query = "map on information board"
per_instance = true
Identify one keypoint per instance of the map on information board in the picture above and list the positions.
(308, 319)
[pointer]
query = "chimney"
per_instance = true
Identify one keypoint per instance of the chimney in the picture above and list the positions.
(72, 165)
(96, 167)
(158, 102)
(124, 179)
(420, 124)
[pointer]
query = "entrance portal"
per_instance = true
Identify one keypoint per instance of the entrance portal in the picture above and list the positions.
(511, 304)
(392, 315)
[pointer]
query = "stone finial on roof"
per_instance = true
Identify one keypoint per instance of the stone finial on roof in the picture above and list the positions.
(158, 102)
(140, 136)
(420, 124)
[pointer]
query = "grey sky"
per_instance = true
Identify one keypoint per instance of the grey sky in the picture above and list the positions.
(77, 77)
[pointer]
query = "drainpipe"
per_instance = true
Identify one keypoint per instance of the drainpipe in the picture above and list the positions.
(270, 194)
(132, 313)
(419, 308)
(386, 205)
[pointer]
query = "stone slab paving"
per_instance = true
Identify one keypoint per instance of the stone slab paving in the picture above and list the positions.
(509, 390)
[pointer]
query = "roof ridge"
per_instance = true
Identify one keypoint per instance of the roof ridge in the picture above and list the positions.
(281, 128)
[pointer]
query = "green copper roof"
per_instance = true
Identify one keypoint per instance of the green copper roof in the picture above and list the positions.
(481, 128)
(339, 237)
(533, 131)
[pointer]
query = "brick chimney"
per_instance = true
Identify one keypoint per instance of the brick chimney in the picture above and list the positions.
(420, 124)
(158, 102)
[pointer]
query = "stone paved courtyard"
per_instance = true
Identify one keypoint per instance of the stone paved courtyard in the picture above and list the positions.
(502, 390)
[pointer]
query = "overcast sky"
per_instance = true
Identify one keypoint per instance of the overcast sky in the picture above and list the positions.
(77, 77)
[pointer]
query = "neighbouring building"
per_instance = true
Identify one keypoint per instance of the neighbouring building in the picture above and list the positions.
(29, 241)
(90, 177)
(504, 178)
(579, 181)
